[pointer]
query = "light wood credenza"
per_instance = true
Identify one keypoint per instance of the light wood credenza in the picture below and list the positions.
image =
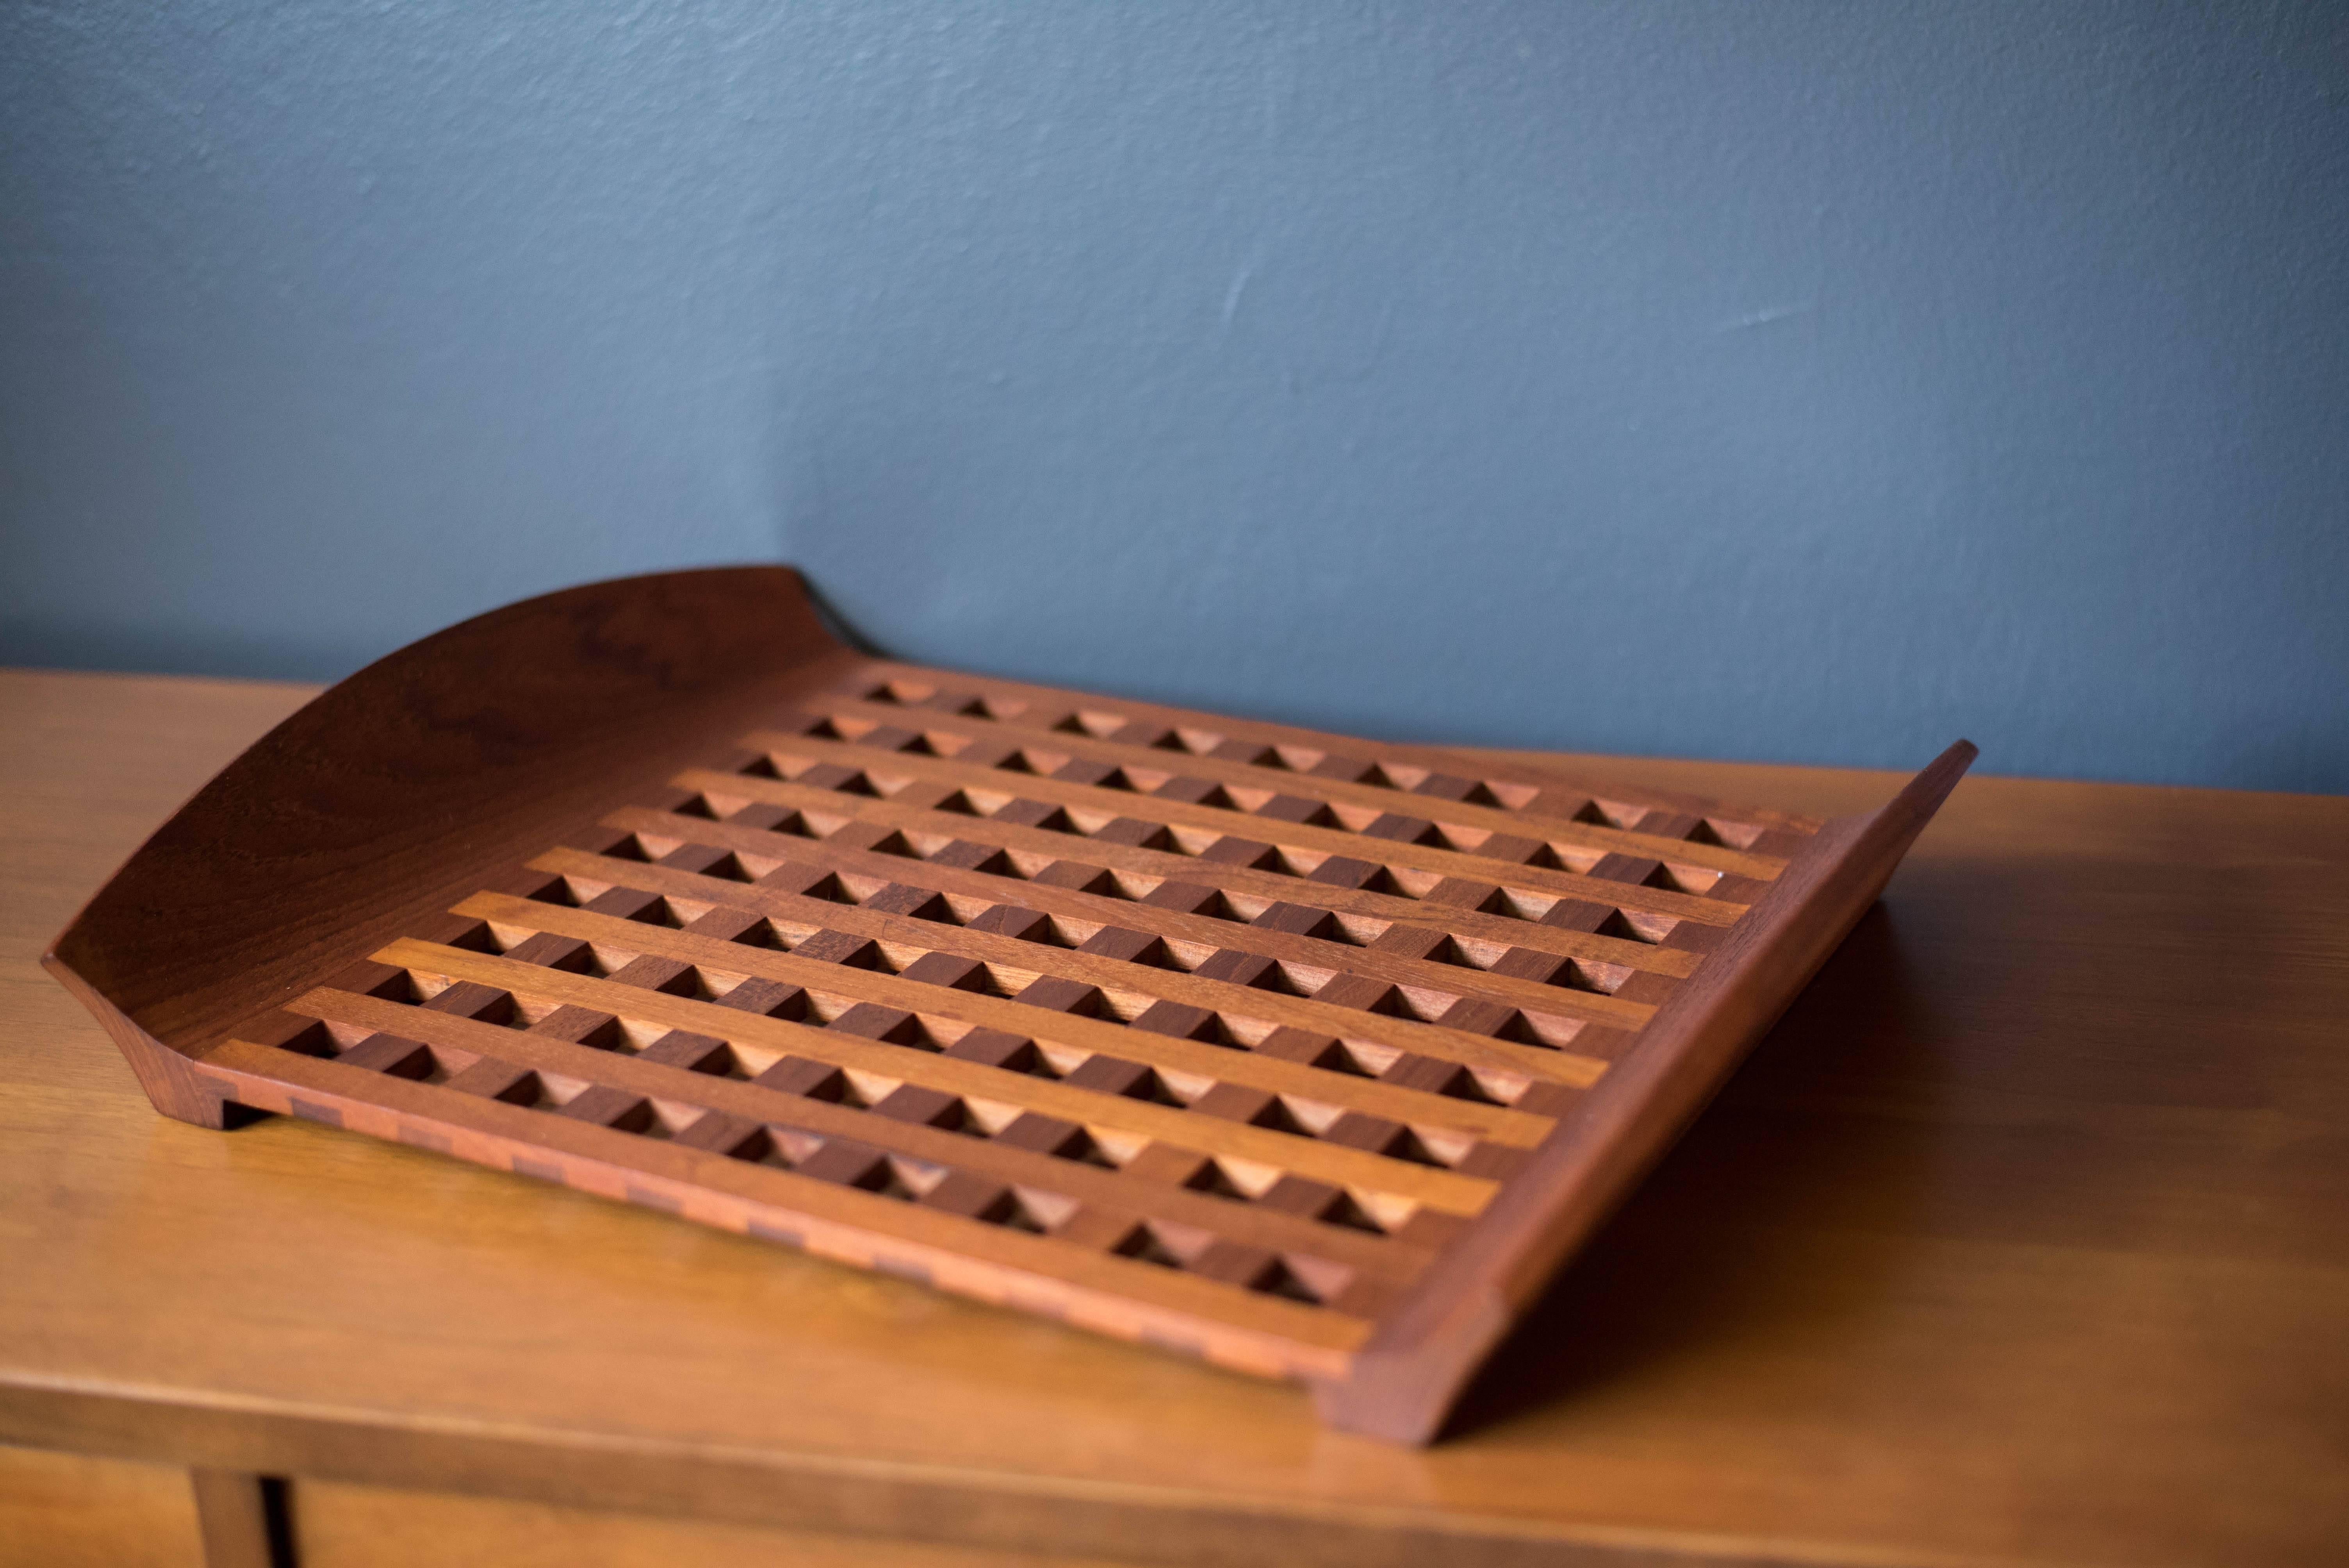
(2024, 1238)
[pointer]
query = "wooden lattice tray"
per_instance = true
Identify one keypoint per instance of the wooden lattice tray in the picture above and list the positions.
(1311, 1055)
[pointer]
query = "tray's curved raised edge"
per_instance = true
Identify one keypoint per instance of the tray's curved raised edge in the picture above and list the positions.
(172, 1086)
(1403, 1382)
(359, 780)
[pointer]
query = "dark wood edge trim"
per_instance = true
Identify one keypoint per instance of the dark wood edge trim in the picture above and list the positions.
(1222, 1324)
(1406, 1377)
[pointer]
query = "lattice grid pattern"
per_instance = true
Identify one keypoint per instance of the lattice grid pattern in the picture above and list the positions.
(1193, 1030)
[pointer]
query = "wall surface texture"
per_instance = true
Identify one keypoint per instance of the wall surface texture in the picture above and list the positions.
(1805, 381)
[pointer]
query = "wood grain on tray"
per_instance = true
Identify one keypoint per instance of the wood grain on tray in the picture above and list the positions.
(1314, 1057)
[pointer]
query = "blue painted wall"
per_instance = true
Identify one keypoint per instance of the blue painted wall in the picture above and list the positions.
(1804, 381)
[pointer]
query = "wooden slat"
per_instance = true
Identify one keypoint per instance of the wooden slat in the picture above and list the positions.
(1228, 823)
(1045, 706)
(1116, 1294)
(1020, 961)
(1218, 1064)
(1557, 831)
(1090, 1184)
(1494, 933)
(1104, 1114)
(1165, 866)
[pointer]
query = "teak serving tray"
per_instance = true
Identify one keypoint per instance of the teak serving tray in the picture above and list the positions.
(1311, 1055)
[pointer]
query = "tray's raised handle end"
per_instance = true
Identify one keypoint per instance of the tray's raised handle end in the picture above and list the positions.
(173, 1086)
(384, 793)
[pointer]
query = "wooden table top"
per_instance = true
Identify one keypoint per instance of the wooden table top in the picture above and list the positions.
(2025, 1238)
